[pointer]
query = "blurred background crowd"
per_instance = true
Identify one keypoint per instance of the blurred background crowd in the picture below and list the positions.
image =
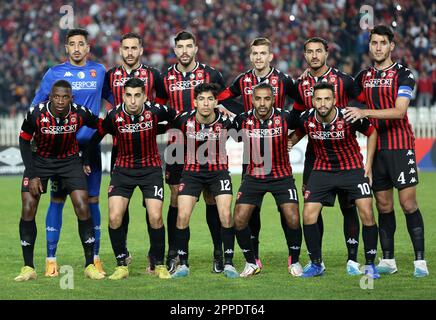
(31, 40)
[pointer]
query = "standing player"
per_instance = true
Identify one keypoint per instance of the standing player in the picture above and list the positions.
(134, 123)
(264, 130)
(179, 82)
(53, 127)
(283, 86)
(131, 67)
(86, 78)
(387, 89)
(338, 166)
(315, 54)
(206, 166)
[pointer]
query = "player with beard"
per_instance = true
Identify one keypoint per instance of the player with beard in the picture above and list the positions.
(179, 83)
(387, 89)
(283, 87)
(131, 51)
(315, 54)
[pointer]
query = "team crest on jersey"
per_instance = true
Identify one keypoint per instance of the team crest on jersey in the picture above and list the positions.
(73, 119)
(147, 115)
(340, 125)
(25, 182)
(181, 187)
(277, 120)
(274, 81)
(200, 74)
(143, 73)
(218, 127)
(93, 73)
(390, 74)
(306, 194)
(333, 79)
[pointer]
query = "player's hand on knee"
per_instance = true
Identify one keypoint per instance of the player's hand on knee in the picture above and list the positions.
(87, 170)
(35, 187)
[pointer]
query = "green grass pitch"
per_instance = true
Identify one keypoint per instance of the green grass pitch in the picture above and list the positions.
(273, 283)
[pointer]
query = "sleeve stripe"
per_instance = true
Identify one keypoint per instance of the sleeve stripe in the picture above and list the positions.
(25, 136)
(405, 91)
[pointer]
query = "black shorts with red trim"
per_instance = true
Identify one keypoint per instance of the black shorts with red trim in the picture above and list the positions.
(173, 173)
(252, 190)
(394, 168)
(69, 171)
(323, 186)
(125, 180)
(193, 183)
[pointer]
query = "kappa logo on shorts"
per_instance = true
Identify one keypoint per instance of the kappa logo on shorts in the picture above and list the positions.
(181, 187)
(25, 182)
(110, 188)
(306, 194)
(238, 195)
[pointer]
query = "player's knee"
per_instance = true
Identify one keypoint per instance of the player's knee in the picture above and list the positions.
(239, 222)
(367, 216)
(81, 209)
(28, 211)
(384, 205)
(115, 221)
(156, 221)
(226, 221)
(409, 205)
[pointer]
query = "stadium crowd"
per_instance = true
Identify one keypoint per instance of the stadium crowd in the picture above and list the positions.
(31, 40)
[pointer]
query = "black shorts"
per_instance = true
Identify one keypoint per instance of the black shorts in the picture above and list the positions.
(252, 190)
(173, 173)
(93, 180)
(69, 171)
(323, 186)
(394, 168)
(218, 182)
(125, 180)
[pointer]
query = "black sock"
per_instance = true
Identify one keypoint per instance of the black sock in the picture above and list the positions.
(157, 244)
(86, 233)
(284, 227)
(387, 226)
(28, 237)
(312, 238)
(182, 244)
(125, 221)
(171, 225)
(228, 236)
(370, 238)
(150, 250)
(214, 224)
(245, 243)
(254, 224)
(118, 243)
(351, 231)
(320, 224)
(415, 226)
(294, 237)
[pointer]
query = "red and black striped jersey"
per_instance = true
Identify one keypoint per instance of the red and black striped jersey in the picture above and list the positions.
(335, 144)
(117, 76)
(344, 88)
(266, 142)
(283, 86)
(380, 89)
(179, 86)
(55, 137)
(205, 144)
(136, 134)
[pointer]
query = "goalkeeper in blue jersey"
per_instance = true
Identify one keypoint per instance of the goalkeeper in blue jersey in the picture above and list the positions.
(86, 78)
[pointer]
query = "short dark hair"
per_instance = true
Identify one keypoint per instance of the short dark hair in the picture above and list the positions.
(135, 83)
(382, 30)
(184, 35)
(324, 85)
(207, 87)
(61, 84)
(317, 40)
(264, 85)
(77, 32)
(131, 35)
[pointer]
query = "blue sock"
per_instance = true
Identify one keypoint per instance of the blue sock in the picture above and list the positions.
(94, 208)
(53, 224)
